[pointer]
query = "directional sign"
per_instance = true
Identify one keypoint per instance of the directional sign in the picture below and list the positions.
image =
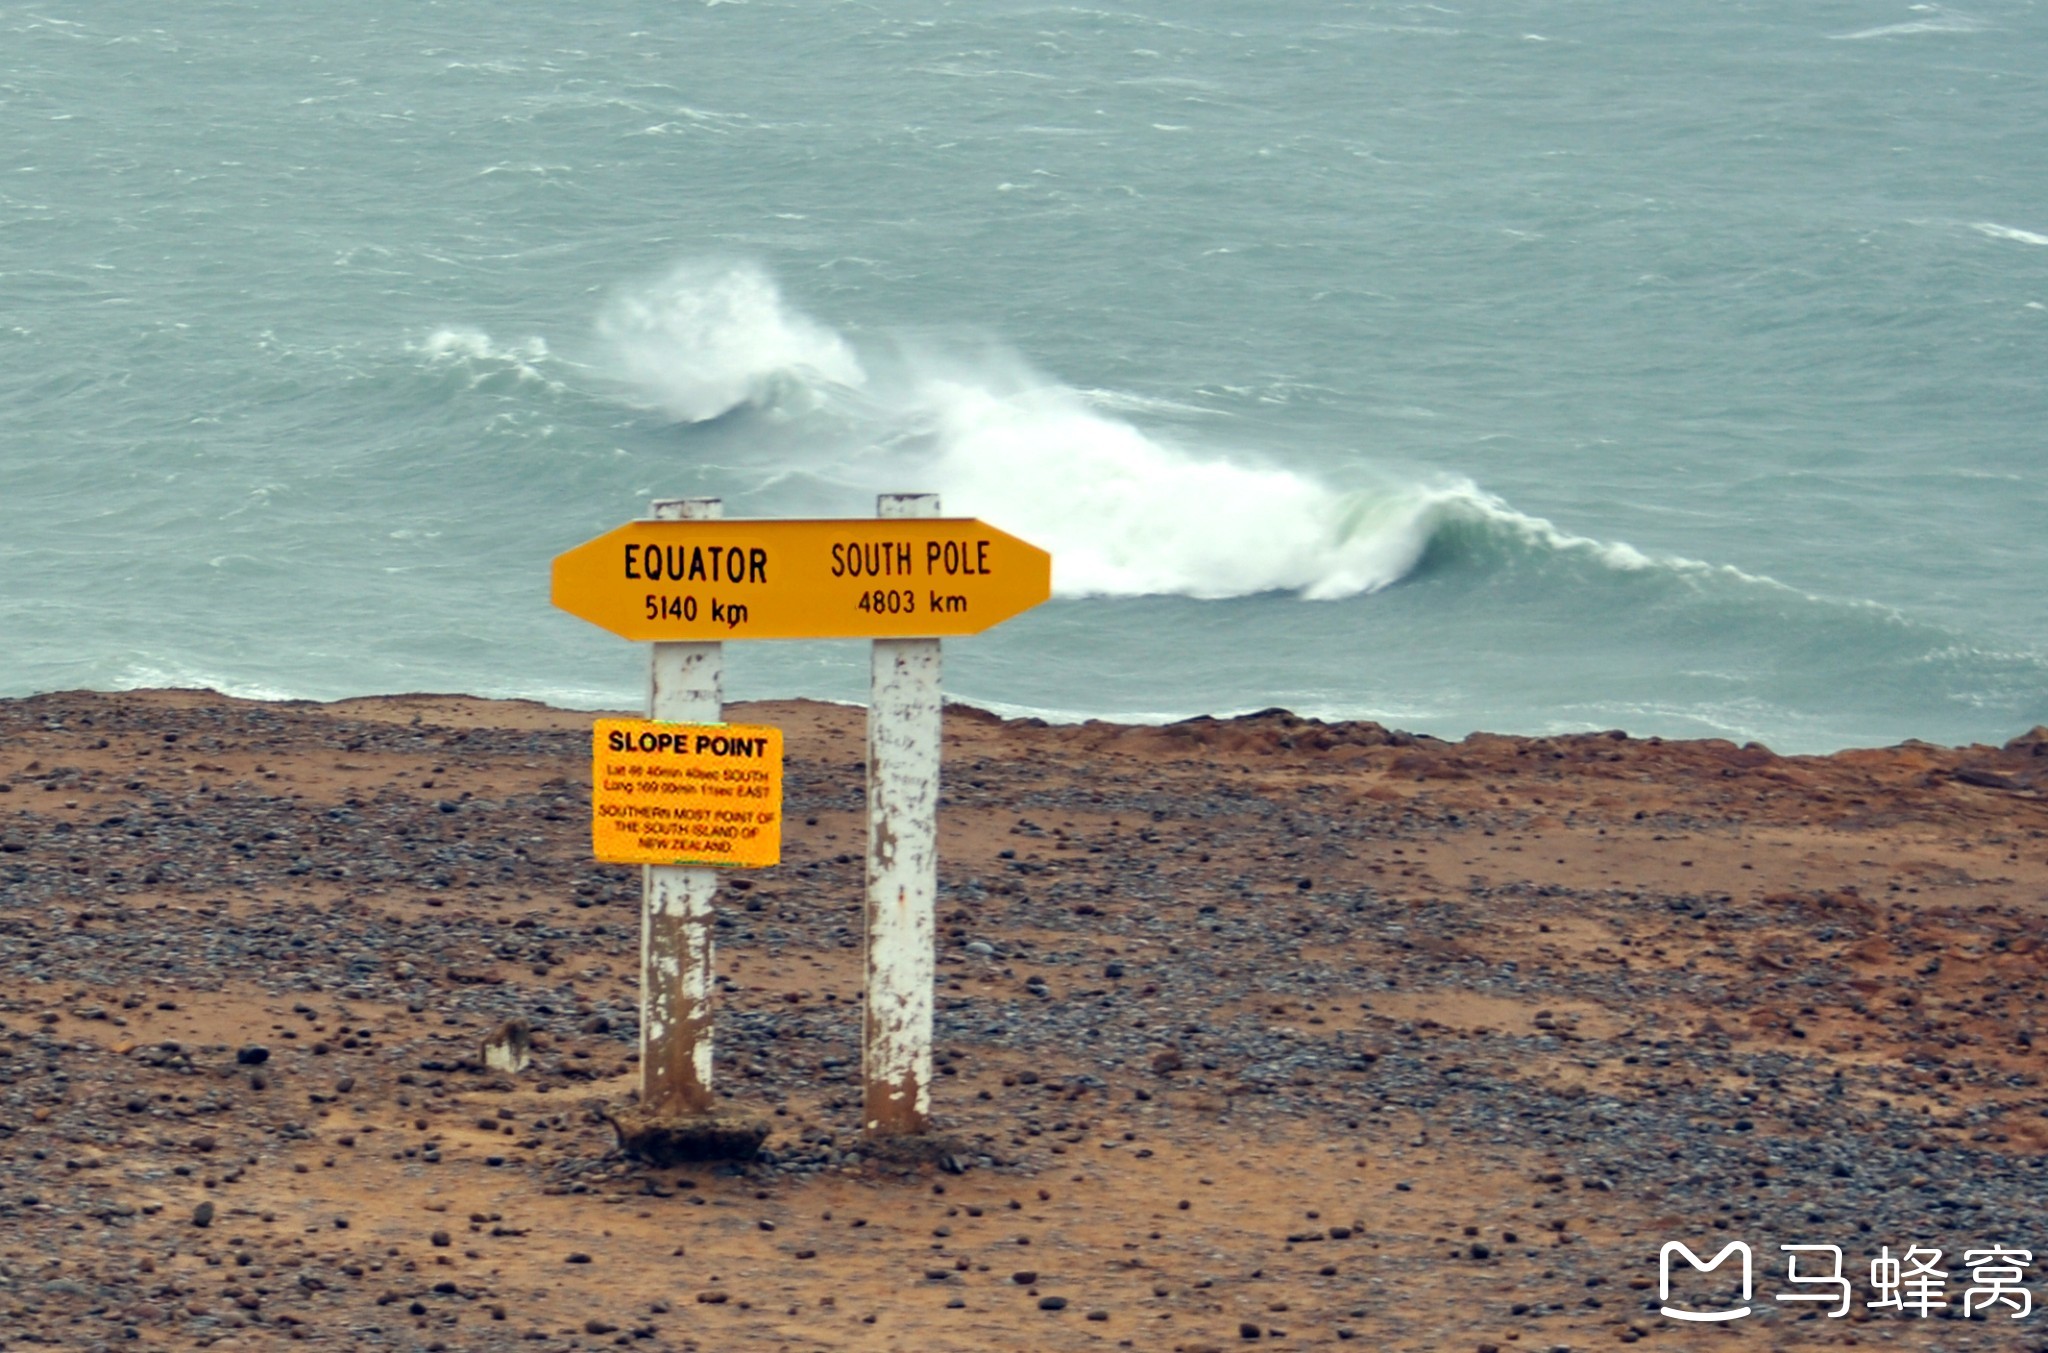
(896, 578)
(686, 793)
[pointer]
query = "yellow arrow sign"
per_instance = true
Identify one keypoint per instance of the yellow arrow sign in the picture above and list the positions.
(895, 578)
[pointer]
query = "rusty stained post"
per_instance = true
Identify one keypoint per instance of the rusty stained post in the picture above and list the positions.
(903, 870)
(685, 685)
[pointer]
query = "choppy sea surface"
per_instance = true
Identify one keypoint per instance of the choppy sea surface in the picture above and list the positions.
(1530, 366)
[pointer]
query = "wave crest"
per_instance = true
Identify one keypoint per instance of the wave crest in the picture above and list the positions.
(1124, 511)
(1129, 513)
(712, 337)
(472, 354)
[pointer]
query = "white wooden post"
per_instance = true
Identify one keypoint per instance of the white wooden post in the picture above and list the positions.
(903, 869)
(686, 684)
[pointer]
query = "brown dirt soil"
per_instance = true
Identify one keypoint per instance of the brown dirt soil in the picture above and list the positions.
(1251, 1032)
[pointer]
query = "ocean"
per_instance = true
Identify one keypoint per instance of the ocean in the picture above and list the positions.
(1530, 367)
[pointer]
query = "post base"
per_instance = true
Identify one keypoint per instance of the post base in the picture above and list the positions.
(950, 1154)
(673, 1139)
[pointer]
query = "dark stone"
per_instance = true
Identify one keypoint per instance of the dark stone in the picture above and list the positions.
(663, 1140)
(255, 1054)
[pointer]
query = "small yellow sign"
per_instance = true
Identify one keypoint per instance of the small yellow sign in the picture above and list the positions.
(900, 578)
(686, 793)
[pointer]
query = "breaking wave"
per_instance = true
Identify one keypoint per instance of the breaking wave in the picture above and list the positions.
(711, 337)
(2003, 232)
(1125, 511)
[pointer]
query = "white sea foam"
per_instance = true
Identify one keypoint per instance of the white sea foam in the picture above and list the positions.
(1131, 512)
(1937, 21)
(1127, 513)
(2000, 232)
(711, 337)
(472, 352)
(1123, 510)
(1122, 401)
(144, 677)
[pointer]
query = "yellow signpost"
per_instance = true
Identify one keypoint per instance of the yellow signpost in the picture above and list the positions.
(927, 577)
(686, 794)
(679, 792)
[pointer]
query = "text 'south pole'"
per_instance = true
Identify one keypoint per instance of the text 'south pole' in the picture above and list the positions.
(903, 869)
(686, 684)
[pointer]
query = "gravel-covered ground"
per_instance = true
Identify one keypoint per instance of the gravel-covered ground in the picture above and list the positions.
(1257, 1031)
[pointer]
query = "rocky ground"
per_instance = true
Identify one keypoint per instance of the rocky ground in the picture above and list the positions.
(1251, 1032)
